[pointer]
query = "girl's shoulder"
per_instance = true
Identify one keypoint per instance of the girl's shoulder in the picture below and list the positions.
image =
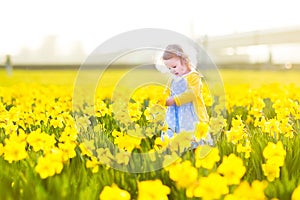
(193, 74)
(194, 78)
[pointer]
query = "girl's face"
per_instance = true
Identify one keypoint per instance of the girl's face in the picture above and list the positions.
(176, 67)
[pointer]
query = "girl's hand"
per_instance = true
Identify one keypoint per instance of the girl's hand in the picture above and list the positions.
(170, 101)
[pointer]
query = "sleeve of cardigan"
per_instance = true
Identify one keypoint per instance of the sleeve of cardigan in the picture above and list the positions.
(193, 82)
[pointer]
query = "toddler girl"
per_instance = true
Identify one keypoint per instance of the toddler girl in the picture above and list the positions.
(185, 104)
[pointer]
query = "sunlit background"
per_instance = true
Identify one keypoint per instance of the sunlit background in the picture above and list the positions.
(233, 32)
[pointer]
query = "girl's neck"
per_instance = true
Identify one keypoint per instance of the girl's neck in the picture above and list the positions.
(188, 70)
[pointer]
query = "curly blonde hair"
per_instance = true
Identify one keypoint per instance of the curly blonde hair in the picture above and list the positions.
(174, 50)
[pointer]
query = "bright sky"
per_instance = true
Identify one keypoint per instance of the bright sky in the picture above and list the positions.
(27, 23)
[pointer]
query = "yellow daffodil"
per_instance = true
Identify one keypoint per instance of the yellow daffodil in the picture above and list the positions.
(93, 163)
(206, 157)
(184, 174)
(201, 130)
(245, 191)
(244, 149)
(296, 193)
(152, 190)
(14, 151)
(50, 164)
(271, 171)
(232, 168)
(68, 149)
(237, 131)
(211, 187)
(113, 192)
(275, 153)
(40, 140)
(127, 142)
(1, 149)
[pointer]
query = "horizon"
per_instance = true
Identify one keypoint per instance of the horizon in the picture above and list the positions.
(66, 32)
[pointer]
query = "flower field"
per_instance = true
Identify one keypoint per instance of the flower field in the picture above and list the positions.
(50, 149)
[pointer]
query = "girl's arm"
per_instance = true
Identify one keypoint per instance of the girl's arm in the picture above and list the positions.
(194, 83)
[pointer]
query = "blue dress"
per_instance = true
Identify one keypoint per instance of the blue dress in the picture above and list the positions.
(180, 118)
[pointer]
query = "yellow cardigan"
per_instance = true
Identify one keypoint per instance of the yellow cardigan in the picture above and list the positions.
(193, 94)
